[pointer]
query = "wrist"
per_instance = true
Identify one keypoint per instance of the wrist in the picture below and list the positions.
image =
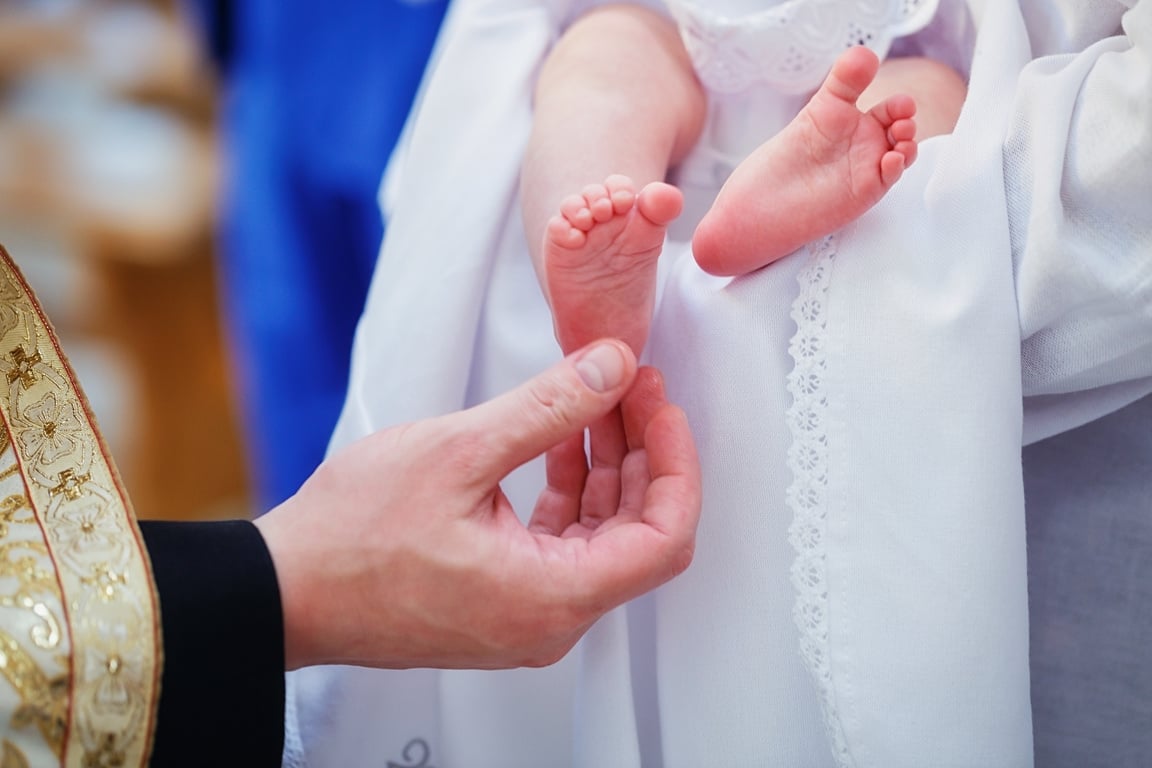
(291, 566)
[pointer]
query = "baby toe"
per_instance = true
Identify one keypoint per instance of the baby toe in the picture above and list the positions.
(575, 209)
(622, 192)
(561, 232)
(599, 202)
(902, 130)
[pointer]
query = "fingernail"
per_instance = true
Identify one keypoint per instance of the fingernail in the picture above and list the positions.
(602, 367)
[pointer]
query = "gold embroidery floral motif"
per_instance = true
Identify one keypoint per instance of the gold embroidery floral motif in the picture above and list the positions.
(33, 643)
(86, 667)
(44, 699)
(11, 756)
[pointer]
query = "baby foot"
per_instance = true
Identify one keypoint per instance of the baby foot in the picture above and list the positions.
(600, 260)
(826, 168)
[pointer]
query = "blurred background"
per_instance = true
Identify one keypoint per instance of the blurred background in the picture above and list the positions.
(109, 173)
(190, 187)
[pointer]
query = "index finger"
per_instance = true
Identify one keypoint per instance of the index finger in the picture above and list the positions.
(641, 403)
(627, 560)
(672, 504)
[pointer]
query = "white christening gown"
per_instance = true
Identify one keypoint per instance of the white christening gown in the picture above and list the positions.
(858, 596)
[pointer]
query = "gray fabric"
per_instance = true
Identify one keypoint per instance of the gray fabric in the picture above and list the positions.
(1089, 514)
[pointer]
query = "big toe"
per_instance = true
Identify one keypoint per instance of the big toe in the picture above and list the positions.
(660, 203)
(852, 73)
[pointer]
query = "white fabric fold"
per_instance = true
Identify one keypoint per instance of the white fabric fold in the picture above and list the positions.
(1078, 172)
(927, 586)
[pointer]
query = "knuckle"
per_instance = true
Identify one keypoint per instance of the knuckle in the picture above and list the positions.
(551, 657)
(551, 403)
(544, 657)
(681, 559)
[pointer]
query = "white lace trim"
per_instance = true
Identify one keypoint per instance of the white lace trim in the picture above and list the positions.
(790, 45)
(808, 460)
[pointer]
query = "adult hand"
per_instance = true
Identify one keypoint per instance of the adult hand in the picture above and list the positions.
(402, 551)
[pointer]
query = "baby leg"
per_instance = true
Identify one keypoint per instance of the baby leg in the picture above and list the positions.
(600, 260)
(617, 95)
(827, 167)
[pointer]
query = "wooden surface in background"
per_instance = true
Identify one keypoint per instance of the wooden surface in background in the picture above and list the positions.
(188, 461)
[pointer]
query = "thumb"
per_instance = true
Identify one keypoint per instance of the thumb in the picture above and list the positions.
(523, 423)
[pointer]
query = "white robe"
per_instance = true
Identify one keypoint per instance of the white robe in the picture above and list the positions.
(859, 593)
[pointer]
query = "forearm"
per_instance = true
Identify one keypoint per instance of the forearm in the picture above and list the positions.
(616, 95)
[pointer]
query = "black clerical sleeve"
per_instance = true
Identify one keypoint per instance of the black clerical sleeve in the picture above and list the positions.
(222, 690)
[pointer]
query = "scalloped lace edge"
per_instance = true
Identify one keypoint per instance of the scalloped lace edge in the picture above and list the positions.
(807, 495)
(789, 45)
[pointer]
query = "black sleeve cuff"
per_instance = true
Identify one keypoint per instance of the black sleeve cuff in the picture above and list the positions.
(222, 690)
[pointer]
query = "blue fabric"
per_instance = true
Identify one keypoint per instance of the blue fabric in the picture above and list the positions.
(316, 96)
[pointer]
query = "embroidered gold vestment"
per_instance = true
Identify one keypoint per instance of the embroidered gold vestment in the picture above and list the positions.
(80, 646)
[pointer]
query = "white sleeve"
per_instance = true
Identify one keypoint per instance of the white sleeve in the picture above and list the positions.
(1078, 176)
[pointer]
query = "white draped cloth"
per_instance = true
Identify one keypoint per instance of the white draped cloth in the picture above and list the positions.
(859, 593)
